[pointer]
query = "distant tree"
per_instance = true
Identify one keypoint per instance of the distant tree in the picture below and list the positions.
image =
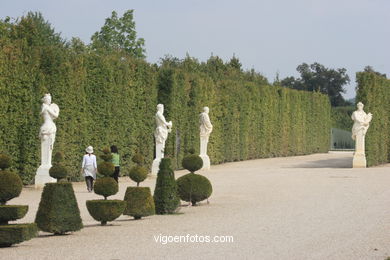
(371, 69)
(118, 33)
(316, 77)
(235, 63)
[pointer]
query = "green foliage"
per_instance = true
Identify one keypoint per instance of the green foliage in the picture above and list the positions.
(5, 161)
(106, 168)
(192, 162)
(12, 212)
(58, 170)
(118, 33)
(165, 196)
(194, 188)
(316, 77)
(10, 186)
(105, 210)
(138, 174)
(341, 117)
(106, 155)
(138, 158)
(139, 202)
(58, 211)
(17, 233)
(106, 187)
(373, 90)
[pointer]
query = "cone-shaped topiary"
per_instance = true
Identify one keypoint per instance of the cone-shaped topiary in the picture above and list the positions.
(139, 200)
(193, 187)
(58, 170)
(166, 198)
(105, 210)
(10, 187)
(58, 212)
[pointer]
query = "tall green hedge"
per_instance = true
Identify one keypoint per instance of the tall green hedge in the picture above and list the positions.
(110, 98)
(373, 91)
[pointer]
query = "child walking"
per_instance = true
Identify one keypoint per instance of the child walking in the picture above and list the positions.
(115, 161)
(89, 167)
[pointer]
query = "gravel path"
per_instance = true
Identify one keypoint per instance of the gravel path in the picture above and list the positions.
(303, 207)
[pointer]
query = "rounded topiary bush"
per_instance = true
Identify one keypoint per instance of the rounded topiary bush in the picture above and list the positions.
(138, 159)
(58, 211)
(165, 196)
(106, 187)
(58, 171)
(106, 168)
(106, 155)
(105, 210)
(138, 174)
(139, 202)
(192, 162)
(5, 161)
(12, 212)
(194, 188)
(10, 186)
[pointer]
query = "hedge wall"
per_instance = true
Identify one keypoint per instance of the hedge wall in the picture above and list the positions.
(110, 98)
(341, 117)
(373, 91)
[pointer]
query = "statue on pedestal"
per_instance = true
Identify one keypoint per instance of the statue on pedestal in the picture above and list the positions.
(47, 135)
(205, 130)
(161, 134)
(359, 130)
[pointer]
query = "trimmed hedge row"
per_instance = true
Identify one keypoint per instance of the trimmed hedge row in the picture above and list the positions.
(110, 98)
(374, 92)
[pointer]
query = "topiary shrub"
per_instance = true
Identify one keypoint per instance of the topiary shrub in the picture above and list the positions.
(10, 187)
(105, 210)
(193, 187)
(106, 187)
(58, 170)
(139, 202)
(58, 212)
(166, 198)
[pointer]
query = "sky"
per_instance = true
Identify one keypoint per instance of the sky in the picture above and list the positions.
(270, 36)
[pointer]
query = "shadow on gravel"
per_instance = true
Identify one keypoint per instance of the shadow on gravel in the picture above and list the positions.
(329, 163)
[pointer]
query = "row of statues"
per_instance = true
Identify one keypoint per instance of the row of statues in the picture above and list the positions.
(50, 111)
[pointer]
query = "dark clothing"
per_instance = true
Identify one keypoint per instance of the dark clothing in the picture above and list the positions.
(89, 181)
(116, 173)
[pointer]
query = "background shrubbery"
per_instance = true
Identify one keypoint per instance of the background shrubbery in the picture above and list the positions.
(374, 92)
(110, 97)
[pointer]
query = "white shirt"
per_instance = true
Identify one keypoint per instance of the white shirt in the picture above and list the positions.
(89, 159)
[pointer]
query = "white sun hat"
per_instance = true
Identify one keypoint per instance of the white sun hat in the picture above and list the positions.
(89, 149)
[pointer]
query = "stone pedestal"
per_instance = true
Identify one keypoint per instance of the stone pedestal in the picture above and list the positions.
(206, 161)
(42, 177)
(359, 161)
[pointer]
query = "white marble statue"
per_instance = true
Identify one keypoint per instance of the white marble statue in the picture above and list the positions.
(47, 135)
(359, 130)
(161, 134)
(205, 130)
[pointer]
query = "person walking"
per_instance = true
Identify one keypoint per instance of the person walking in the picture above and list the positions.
(115, 161)
(89, 168)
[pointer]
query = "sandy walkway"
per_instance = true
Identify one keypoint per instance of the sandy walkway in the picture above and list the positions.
(306, 207)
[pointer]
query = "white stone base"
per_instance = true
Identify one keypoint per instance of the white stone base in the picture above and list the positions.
(206, 162)
(42, 177)
(359, 161)
(155, 166)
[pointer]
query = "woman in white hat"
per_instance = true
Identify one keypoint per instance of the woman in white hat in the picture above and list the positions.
(89, 167)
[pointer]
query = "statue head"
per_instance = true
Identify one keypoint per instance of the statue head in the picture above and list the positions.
(206, 110)
(47, 99)
(360, 106)
(160, 108)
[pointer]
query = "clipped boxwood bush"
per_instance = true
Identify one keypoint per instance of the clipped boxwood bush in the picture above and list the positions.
(58, 170)
(58, 211)
(194, 188)
(192, 162)
(12, 212)
(138, 174)
(165, 196)
(105, 210)
(106, 187)
(10, 187)
(139, 202)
